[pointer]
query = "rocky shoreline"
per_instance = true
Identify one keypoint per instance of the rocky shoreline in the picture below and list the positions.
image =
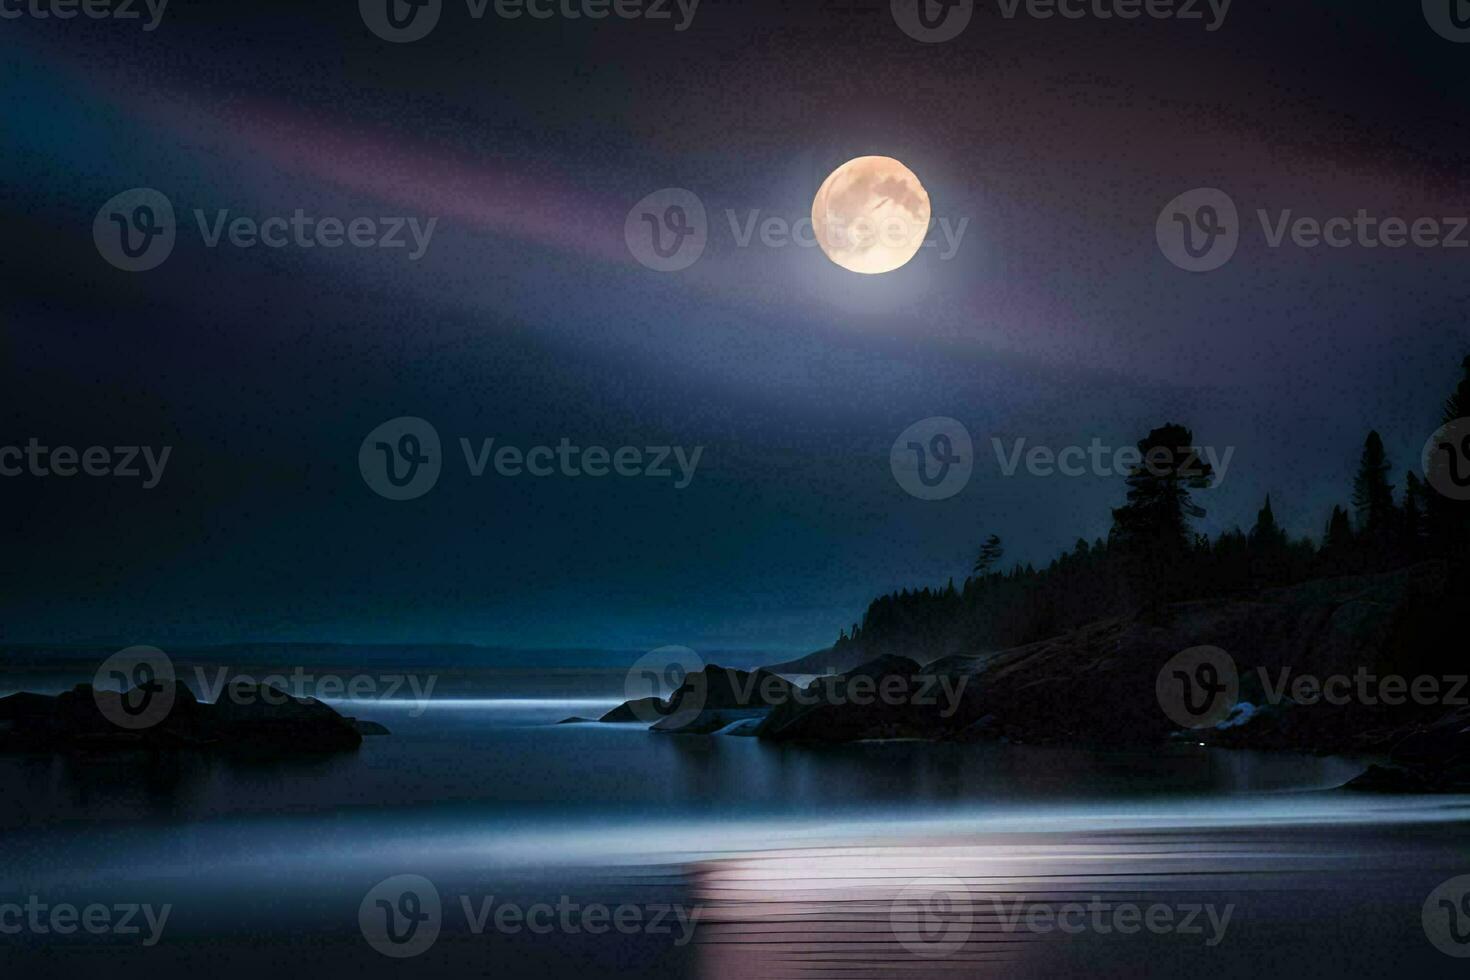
(1099, 685)
(261, 721)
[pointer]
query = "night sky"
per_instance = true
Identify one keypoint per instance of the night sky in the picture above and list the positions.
(1058, 319)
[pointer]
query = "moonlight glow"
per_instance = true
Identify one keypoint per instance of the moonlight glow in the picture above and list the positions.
(871, 215)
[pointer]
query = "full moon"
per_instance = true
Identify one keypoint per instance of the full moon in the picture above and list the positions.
(871, 215)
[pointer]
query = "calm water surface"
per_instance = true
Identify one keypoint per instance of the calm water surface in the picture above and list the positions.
(861, 860)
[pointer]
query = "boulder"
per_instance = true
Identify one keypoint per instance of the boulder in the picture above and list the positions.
(645, 710)
(249, 719)
(887, 697)
(1432, 758)
(707, 701)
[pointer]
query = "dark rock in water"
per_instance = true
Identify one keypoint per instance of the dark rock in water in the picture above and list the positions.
(708, 701)
(1396, 779)
(888, 697)
(728, 688)
(369, 727)
(720, 696)
(25, 705)
(256, 720)
(266, 713)
(743, 728)
(646, 710)
(707, 721)
(983, 729)
(577, 720)
(1434, 758)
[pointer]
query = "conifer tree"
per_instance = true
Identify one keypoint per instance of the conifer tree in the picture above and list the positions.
(1372, 494)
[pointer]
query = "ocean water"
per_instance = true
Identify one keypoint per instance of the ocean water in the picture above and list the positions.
(723, 856)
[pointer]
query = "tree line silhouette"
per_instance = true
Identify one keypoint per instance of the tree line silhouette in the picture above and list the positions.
(1153, 555)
